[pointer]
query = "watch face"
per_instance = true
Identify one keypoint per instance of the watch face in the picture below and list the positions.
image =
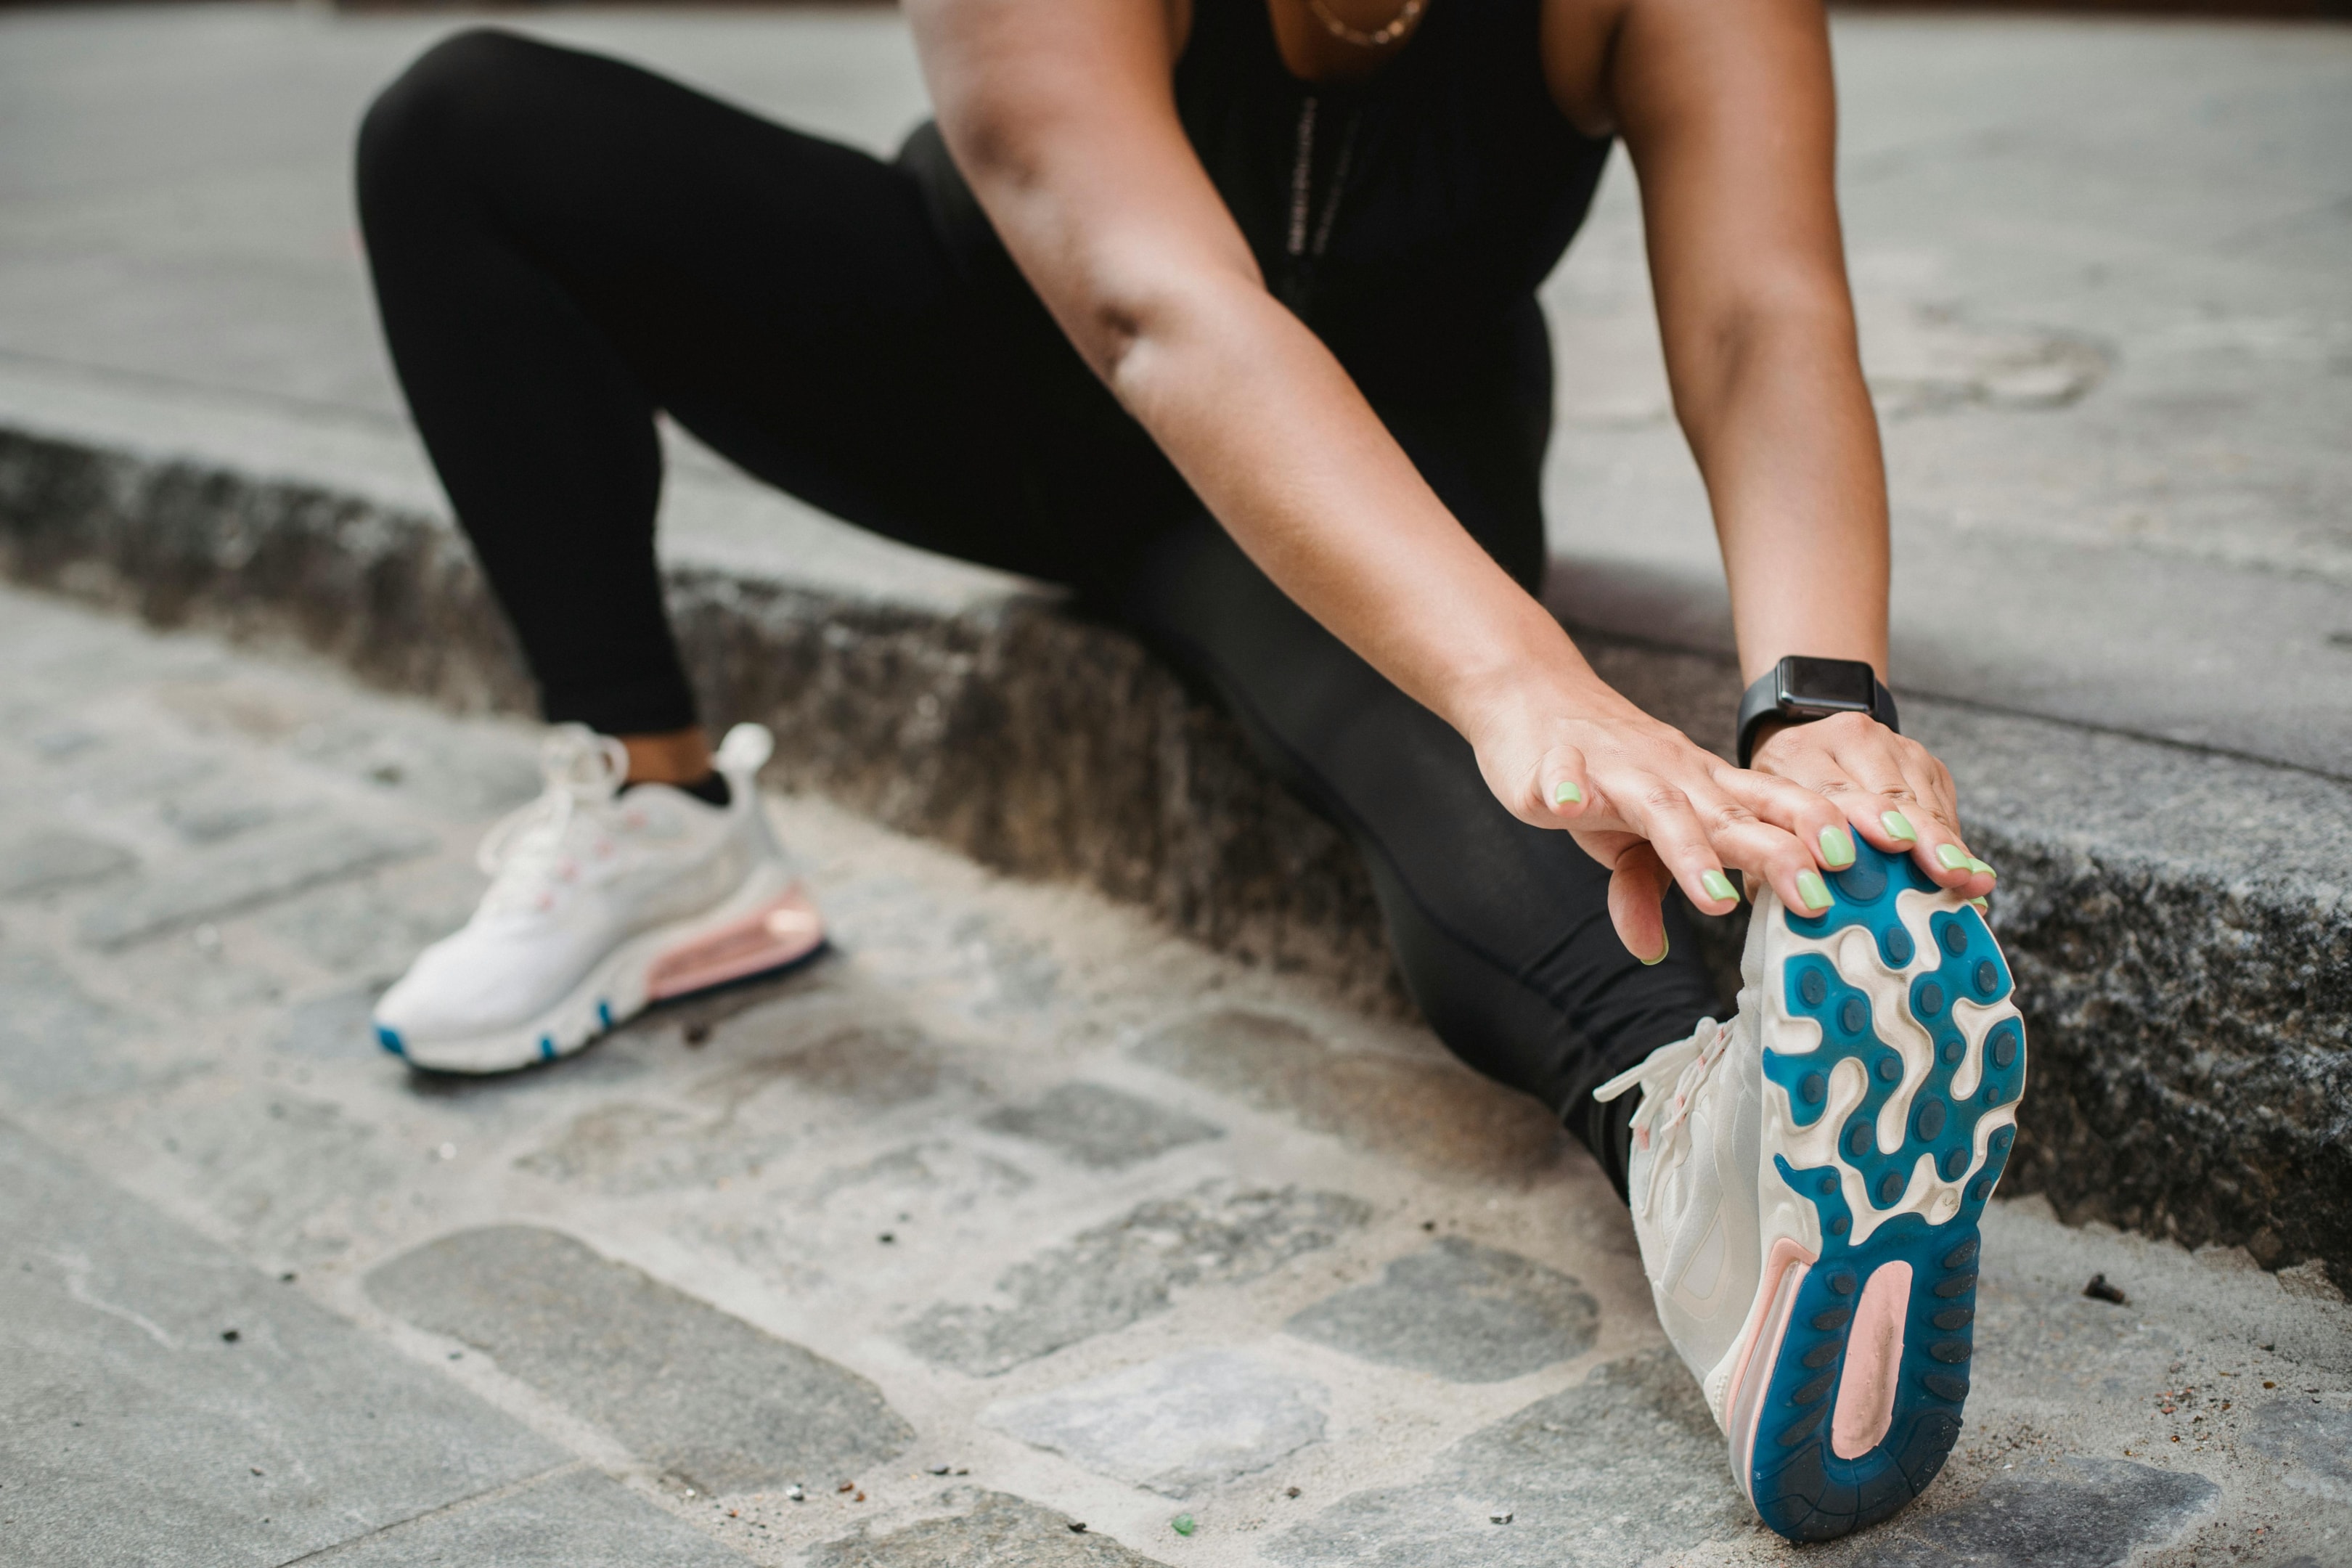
(1832, 683)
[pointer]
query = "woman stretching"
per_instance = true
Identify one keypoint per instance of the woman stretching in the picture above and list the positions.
(1223, 312)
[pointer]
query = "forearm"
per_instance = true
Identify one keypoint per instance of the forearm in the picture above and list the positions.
(1781, 424)
(1271, 434)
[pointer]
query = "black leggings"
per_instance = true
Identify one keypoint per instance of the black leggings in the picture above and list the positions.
(563, 244)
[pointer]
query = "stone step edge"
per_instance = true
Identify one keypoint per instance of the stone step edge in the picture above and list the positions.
(2192, 1014)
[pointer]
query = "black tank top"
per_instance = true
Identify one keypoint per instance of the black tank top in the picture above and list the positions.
(1406, 218)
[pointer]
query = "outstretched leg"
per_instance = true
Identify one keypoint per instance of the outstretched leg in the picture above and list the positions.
(1501, 930)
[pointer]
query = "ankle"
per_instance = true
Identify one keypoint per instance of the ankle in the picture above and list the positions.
(674, 757)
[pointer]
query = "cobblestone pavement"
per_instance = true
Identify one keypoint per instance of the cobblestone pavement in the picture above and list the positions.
(1013, 1215)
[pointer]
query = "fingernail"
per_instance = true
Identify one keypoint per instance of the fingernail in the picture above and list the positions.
(1718, 885)
(1837, 848)
(1813, 890)
(1982, 907)
(1952, 856)
(1898, 826)
(1565, 794)
(1980, 869)
(1665, 944)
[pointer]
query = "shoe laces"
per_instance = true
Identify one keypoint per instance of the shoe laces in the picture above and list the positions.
(1670, 1078)
(531, 848)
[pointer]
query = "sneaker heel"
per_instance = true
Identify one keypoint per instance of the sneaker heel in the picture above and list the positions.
(781, 931)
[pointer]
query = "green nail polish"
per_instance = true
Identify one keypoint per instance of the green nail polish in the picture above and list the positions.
(1718, 885)
(1952, 856)
(1837, 848)
(1982, 907)
(1898, 826)
(1813, 890)
(1565, 794)
(1981, 868)
(1664, 947)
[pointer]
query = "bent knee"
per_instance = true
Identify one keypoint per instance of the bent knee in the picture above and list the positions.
(447, 99)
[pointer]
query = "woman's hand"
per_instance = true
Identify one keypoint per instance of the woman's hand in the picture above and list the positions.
(1891, 788)
(1642, 798)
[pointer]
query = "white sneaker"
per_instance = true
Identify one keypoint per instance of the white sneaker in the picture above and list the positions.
(599, 904)
(1806, 1182)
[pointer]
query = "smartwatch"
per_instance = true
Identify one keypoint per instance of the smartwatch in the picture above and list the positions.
(1800, 690)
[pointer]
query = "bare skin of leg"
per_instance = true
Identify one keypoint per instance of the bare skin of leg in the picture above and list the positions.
(674, 756)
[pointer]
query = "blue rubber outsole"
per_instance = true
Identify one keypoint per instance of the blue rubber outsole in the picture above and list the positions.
(1801, 1487)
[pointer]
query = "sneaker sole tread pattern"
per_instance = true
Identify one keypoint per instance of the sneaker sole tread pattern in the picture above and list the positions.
(1800, 1486)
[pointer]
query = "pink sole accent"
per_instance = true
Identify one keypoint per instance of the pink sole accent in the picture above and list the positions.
(1873, 1354)
(783, 929)
(1784, 1274)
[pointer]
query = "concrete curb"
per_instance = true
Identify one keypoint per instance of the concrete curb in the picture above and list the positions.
(2181, 923)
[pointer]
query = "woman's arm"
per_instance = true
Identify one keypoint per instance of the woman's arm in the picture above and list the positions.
(1061, 114)
(1729, 114)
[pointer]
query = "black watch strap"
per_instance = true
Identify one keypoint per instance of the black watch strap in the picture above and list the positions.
(1799, 690)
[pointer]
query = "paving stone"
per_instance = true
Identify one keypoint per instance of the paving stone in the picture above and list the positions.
(2315, 1440)
(2085, 1513)
(333, 1027)
(134, 1429)
(1463, 1313)
(708, 1398)
(42, 862)
(56, 1039)
(209, 816)
(576, 1519)
(1624, 1467)
(998, 1531)
(631, 1148)
(235, 879)
(1178, 1425)
(1100, 1127)
(1111, 1276)
(1441, 1117)
(878, 1066)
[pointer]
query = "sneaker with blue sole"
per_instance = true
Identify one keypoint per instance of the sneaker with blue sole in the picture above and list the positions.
(604, 901)
(1807, 1182)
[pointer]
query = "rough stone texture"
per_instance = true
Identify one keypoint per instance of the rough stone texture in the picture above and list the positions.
(132, 1429)
(1624, 1467)
(1461, 1311)
(996, 1532)
(579, 1519)
(2079, 1513)
(1109, 1277)
(1100, 1128)
(38, 863)
(1055, 747)
(705, 1398)
(1179, 1425)
(808, 1155)
(1441, 1117)
(56, 1039)
(242, 875)
(2315, 1439)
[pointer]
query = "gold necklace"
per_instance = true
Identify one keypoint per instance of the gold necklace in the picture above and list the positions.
(1379, 37)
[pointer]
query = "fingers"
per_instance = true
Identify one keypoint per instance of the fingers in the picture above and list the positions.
(1563, 787)
(1702, 826)
(1637, 892)
(1892, 790)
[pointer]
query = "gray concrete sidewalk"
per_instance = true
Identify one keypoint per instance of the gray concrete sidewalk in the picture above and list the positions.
(1014, 1214)
(2100, 267)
